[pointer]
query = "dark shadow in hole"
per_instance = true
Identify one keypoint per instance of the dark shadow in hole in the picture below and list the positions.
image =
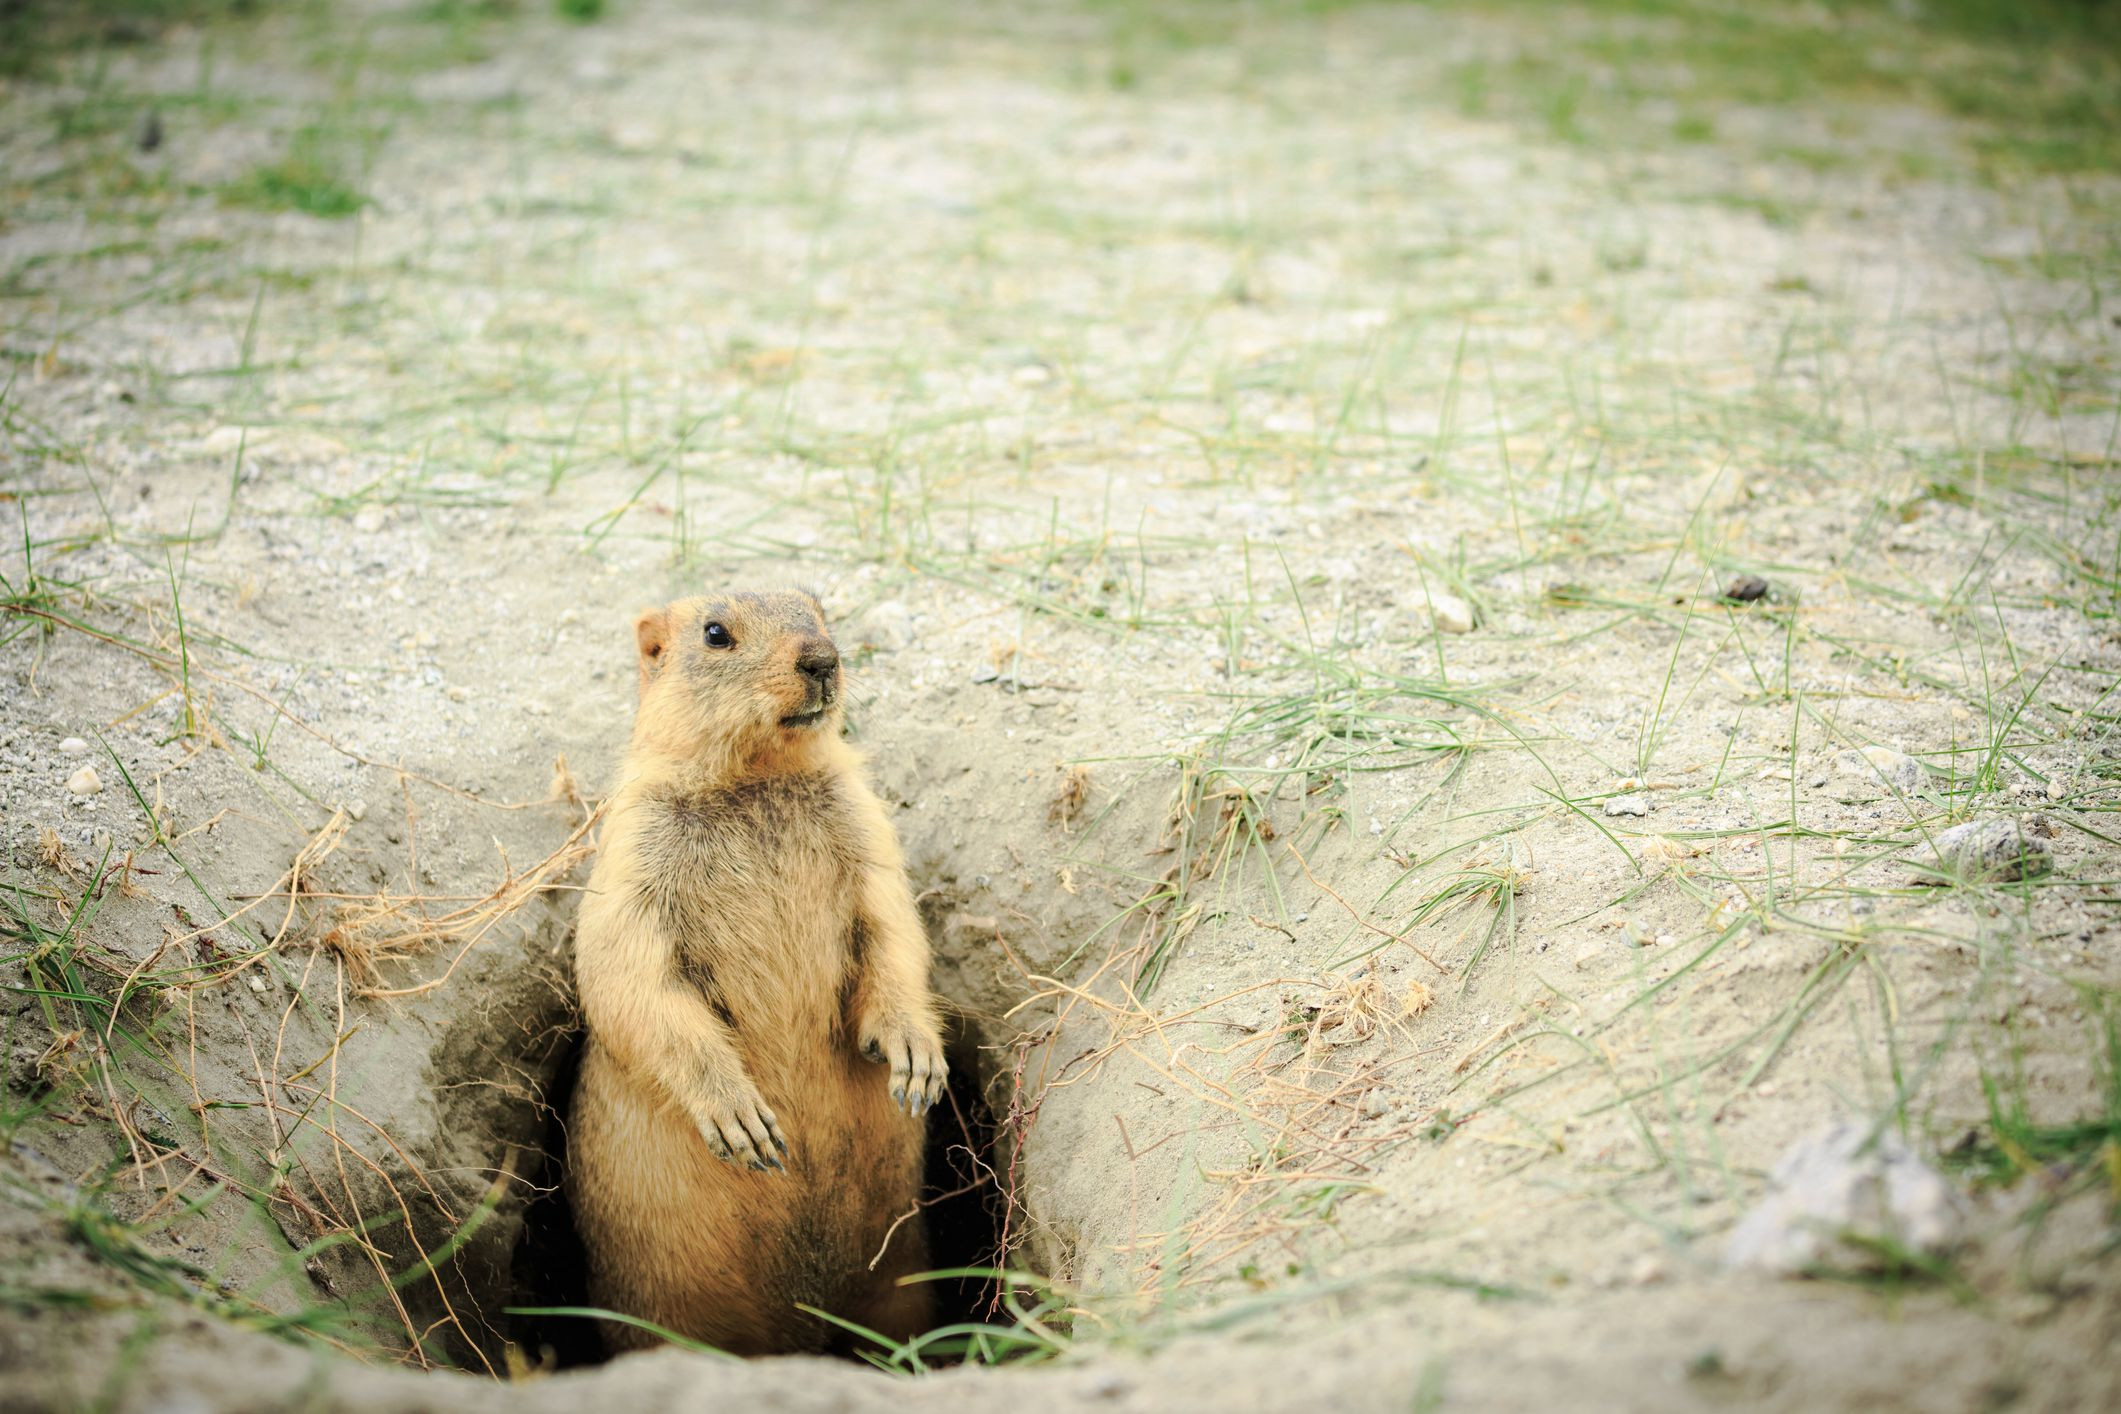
(960, 1196)
(961, 1208)
(550, 1268)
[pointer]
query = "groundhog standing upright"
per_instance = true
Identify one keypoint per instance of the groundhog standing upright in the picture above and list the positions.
(746, 1130)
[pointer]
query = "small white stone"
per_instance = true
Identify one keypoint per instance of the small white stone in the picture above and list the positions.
(358, 809)
(634, 137)
(888, 626)
(1451, 613)
(84, 781)
(73, 746)
(1994, 850)
(223, 441)
(1844, 1181)
(457, 694)
(257, 983)
(370, 519)
(1032, 375)
(1637, 805)
(1874, 767)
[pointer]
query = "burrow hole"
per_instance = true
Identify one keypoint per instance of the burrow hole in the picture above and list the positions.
(960, 1206)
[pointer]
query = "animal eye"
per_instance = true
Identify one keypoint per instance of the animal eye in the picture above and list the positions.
(719, 637)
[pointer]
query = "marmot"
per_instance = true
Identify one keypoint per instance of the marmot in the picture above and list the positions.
(746, 1129)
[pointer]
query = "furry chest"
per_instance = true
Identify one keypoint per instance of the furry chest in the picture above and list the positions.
(763, 876)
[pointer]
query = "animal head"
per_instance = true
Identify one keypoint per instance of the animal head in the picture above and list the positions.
(740, 677)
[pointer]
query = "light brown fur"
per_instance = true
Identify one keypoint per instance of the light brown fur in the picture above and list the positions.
(753, 974)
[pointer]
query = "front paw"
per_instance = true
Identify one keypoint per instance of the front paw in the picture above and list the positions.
(914, 1052)
(740, 1129)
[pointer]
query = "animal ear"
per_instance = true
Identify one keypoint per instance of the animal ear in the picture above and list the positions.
(651, 633)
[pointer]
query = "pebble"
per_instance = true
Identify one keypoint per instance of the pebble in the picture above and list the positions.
(1451, 613)
(1833, 1184)
(1628, 805)
(370, 519)
(1109, 1385)
(1873, 765)
(1745, 589)
(1996, 850)
(224, 441)
(74, 746)
(84, 781)
(888, 626)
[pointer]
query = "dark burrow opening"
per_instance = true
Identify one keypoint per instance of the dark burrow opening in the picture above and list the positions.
(962, 1209)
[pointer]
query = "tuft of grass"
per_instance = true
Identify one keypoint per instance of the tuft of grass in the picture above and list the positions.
(598, 1313)
(2037, 86)
(1041, 1317)
(2070, 1153)
(311, 178)
(37, 35)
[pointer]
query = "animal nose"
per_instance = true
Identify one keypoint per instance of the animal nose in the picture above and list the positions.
(818, 659)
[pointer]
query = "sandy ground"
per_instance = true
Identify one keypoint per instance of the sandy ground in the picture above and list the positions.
(1279, 517)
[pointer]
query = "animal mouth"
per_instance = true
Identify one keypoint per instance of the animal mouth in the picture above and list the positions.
(809, 718)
